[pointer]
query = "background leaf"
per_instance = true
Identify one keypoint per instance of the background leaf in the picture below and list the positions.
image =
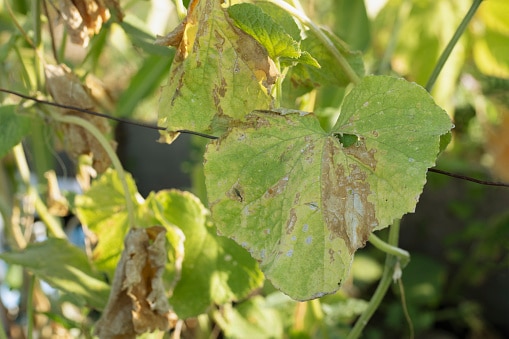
(13, 127)
(65, 267)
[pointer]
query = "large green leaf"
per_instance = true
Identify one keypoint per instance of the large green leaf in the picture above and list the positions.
(13, 127)
(65, 267)
(219, 73)
(303, 200)
(215, 269)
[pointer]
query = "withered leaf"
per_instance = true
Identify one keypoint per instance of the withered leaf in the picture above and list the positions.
(84, 18)
(66, 88)
(138, 302)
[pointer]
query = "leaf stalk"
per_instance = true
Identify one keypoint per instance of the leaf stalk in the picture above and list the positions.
(387, 277)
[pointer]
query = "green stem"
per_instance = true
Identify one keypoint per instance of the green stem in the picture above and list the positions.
(36, 19)
(301, 16)
(383, 285)
(450, 46)
(69, 119)
(30, 306)
(49, 220)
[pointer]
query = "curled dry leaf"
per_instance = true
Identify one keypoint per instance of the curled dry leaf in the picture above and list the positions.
(84, 18)
(138, 301)
(66, 88)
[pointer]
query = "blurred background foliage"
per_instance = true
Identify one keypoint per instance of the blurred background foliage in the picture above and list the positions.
(456, 283)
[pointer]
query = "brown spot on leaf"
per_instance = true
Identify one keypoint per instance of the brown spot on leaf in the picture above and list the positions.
(276, 189)
(236, 192)
(291, 221)
(347, 212)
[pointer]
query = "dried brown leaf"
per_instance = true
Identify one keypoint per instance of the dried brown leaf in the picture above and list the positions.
(66, 88)
(138, 302)
(84, 18)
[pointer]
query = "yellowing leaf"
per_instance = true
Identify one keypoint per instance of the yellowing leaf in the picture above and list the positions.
(303, 200)
(219, 72)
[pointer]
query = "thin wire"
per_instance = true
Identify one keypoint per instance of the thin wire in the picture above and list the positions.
(203, 135)
(102, 115)
(464, 177)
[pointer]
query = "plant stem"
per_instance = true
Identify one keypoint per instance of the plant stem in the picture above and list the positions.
(30, 306)
(450, 46)
(49, 220)
(301, 16)
(401, 254)
(111, 154)
(383, 285)
(36, 21)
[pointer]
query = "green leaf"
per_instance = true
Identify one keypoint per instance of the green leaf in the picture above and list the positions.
(301, 202)
(329, 73)
(219, 73)
(13, 127)
(255, 22)
(65, 267)
(103, 209)
(215, 269)
(252, 316)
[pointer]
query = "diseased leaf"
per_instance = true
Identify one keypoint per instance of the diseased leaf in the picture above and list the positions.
(303, 200)
(138, 302)
(65, 267)
(13, 127)
(215, 269)
(219, 73)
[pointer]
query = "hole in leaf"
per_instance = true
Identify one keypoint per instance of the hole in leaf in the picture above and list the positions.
(346, 140)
